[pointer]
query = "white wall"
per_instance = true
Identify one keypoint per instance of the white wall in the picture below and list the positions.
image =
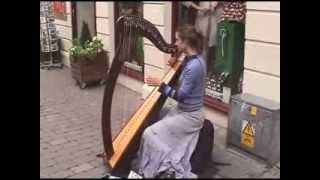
(262, 50)
(105, 22)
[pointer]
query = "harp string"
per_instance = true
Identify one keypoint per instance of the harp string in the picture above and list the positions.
(127, 25)
(127, 101)
(129, 54)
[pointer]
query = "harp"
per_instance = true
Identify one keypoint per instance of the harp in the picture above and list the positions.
(117, 150)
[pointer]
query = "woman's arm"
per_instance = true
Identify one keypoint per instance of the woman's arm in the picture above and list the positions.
(187, 84)
(194, 6)
(213, 6)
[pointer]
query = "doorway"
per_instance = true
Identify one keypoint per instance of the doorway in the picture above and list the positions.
(83, 11)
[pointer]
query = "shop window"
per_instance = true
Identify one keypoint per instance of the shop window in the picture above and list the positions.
(133, 67)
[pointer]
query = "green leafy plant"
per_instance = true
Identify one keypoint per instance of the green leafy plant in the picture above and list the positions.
(86, 46)
(85, 33)
(89, 49)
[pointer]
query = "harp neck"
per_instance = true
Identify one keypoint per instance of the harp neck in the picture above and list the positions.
(131, 25)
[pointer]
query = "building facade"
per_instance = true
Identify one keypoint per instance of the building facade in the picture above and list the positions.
(262, 50)
(262, 42)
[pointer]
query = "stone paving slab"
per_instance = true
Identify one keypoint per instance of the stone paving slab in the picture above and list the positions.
(70, 134)
(70, 125)
(228, 162)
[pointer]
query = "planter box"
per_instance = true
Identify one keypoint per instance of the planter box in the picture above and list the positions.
(86, 71)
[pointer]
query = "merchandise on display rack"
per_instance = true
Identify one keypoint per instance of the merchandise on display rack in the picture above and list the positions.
(49, 42)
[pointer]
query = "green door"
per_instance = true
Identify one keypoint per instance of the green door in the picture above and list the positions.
(230, 52)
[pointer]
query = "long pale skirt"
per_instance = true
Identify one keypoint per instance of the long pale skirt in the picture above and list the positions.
(168, 144)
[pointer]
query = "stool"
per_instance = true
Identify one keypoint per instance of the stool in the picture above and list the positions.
(202, 152)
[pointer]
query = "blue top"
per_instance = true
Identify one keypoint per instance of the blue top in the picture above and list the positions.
(192, 84)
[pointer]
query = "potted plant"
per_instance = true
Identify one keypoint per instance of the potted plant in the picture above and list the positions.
(89, 62)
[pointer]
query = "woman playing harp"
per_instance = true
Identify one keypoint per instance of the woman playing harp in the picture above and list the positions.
(167, 145)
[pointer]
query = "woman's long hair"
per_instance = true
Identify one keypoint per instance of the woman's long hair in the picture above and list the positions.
(188, 34)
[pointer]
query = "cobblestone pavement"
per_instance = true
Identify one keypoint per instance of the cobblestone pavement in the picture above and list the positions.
(70, 130)
(70, 133)
(230, 163)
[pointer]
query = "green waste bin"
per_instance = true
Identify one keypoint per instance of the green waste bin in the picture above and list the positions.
(230, 52)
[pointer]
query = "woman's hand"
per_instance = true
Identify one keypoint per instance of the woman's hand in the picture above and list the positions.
(171, 61)
(204, 9)
(153, 81)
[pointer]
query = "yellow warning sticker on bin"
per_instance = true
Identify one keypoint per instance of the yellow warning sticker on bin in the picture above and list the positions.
(248, 134)
(253, 110)
(247, 140)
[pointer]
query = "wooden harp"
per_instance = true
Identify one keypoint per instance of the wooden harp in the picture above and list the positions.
(116, 150)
